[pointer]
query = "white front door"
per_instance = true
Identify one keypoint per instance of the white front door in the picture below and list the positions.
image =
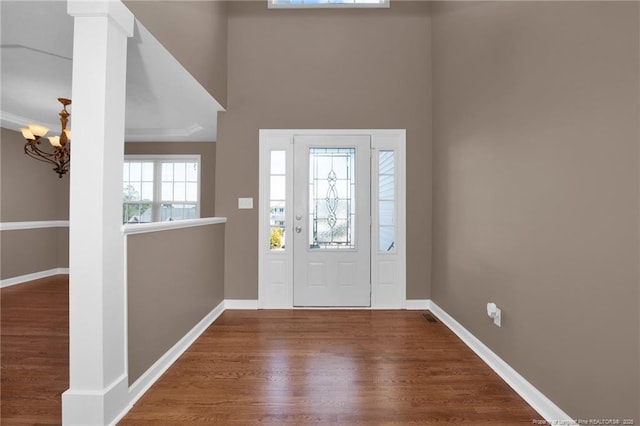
(332, 220)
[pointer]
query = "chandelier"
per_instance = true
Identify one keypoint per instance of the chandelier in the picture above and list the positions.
(61, 154)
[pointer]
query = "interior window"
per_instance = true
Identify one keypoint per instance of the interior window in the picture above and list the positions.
(160, 188)
(326, 3)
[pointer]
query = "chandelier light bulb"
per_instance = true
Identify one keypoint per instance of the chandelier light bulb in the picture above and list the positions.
(61, 155)
(55, 141)
(38, 130)
(26, 133)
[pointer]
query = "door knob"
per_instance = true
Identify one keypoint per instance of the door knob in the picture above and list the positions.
(298, 229)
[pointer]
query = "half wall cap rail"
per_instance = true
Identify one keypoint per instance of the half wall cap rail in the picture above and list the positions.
(141, 228)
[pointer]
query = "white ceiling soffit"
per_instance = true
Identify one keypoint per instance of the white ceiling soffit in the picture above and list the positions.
(164, 102)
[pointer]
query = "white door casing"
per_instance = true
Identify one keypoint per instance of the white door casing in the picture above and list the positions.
(387, 267)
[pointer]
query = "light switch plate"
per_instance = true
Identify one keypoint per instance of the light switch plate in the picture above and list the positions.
(245, 203)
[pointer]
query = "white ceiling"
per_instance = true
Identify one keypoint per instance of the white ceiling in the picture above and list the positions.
(164, 102)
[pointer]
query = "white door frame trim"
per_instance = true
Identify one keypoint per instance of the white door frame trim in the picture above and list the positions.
(275, 268)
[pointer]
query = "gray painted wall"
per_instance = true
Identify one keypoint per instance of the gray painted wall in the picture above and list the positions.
(323, 69)
(30, 191)
(195, 33)
(536, 195)
(536, 191)
(27, 251)
(175, 278)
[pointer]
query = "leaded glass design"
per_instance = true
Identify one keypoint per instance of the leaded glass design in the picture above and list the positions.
(386, 201)
(332, 189)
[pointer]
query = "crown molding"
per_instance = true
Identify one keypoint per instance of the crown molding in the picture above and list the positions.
(164, 133)
(15, 122)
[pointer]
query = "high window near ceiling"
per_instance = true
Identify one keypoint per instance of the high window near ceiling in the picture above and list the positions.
(160, 188)
(275, 4)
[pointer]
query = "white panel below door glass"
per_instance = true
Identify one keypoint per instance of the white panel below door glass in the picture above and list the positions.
(316, 274)
(347, 274)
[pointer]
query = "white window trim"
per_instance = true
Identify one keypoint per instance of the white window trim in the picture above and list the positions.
(275, 277)
(383, 5)
(157, 179)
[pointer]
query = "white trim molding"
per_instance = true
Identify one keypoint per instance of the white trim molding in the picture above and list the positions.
(142, 228)
(115, 11)
(15, 122)
(250, 304)
(7, 282)
(97, 301)
(89, 403)
(276, 267)
(536, 399)
(35, 224)
(417, 304)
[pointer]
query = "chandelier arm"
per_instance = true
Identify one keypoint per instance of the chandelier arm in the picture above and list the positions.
(43, 159)
(32, 149)
(65, 159)
(40, 155)
(61, 156)
(59, 159)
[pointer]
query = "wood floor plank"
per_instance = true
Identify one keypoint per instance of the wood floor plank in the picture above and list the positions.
(269, 367)
(34, 351)
(329, 367)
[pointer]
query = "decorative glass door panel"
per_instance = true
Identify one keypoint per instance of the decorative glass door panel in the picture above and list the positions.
(332, 189)
(332, 221)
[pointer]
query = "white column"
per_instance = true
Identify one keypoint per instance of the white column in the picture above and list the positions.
(98, 390)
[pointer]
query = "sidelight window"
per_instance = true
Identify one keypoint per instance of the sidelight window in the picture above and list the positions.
(386, 201)
(277, 200)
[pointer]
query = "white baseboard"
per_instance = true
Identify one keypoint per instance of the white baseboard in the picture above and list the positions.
(35, 276)
(240, 304)
(82, 407)
(417, 304)
(538, 401)
(140, 386)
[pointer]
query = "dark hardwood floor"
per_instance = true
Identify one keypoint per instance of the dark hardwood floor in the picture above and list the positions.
(34, 351)
(269, 367)
(330, 367)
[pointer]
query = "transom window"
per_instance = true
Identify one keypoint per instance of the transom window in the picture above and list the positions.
(326, 3)
(160, 188)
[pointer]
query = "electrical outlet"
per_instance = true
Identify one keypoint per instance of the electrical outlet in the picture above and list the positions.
(495, 313)
(497, 318)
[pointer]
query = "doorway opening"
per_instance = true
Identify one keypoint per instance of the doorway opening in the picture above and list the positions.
(332, 219)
